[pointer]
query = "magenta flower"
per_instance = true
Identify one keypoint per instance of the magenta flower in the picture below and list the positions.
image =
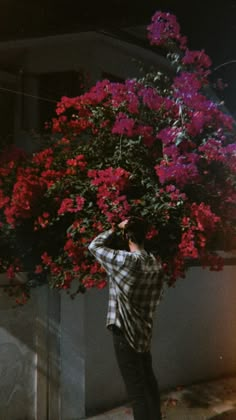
(123, 125)
(165, 27)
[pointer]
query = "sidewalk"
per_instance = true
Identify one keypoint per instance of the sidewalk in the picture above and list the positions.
(214, 400)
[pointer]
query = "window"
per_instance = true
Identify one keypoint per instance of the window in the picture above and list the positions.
(53, 86)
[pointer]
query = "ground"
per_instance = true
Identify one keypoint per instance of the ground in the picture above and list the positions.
(214, 400)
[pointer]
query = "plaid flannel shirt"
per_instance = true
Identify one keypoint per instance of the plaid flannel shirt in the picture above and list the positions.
(134, 290)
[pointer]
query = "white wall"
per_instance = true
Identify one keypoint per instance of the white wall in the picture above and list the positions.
(195, 337)
(73, 358)
(17, 361)
(23, 356)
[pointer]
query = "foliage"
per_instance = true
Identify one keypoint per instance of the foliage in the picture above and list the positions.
(156, 146)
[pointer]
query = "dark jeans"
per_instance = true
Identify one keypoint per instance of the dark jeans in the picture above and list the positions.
(141, 384)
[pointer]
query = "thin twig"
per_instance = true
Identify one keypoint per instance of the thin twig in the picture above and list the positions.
(224, 64)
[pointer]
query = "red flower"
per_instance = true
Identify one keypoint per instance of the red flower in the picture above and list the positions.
(69, 206)
(46, 259)
(11, 272)
(38, 269)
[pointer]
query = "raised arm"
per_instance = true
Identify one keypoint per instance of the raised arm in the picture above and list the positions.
(109, 258)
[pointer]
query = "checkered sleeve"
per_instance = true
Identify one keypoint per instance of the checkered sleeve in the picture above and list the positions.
(110, 259)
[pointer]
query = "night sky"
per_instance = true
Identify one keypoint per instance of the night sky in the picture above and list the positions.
(208, 24)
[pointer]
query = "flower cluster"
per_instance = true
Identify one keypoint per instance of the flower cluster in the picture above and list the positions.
(199, 59)
(156, 147)
(197, 228)
(71, 206)
(26, 190)
(164, 28)
(110, 200)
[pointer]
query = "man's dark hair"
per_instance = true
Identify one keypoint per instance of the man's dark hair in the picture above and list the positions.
(135, 230)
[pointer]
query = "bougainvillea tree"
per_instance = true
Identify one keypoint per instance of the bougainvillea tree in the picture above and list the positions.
(156, 146)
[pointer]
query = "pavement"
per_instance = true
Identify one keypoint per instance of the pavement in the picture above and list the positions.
(215, 400)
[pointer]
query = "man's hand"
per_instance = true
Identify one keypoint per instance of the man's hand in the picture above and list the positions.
(123, 224)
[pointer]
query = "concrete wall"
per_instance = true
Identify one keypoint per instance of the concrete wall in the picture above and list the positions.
(195, 336)
(17, 361)
(30, 356)
(73, 358)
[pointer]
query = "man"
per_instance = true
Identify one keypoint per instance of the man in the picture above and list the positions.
(134, 291)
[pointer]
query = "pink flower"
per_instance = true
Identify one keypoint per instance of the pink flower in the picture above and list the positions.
(215, 262)
(197, 123)
(186, 85)
(79, 202)
(151, 98)
(123, 125)
(182, 171)
(205, 218)
(101, 284)
(169, 134)
(46, 259)
(110, 182)
(38, 269)
(77, 161)
(164, 27)
(69, 206)
(187, 245)
(3, 199)
(152, 233)
(212, 150)
(147, 133)
(11, 272)
(199, 59)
